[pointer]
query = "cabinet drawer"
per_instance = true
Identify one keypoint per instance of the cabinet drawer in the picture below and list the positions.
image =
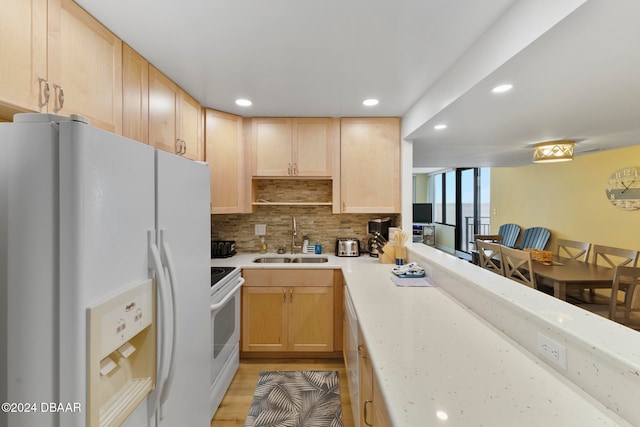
(288, 277)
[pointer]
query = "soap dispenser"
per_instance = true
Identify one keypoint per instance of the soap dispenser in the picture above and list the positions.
(305, 243)
(263, 246)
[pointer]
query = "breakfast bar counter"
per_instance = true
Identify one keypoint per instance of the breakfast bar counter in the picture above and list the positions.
(439, 362)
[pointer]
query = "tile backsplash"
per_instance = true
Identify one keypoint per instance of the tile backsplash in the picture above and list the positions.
(317, 222)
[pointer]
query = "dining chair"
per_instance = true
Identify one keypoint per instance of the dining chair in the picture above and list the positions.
(573, 249)
(535, 238)
(518, 266)
(493, 238)
(614, 257)
(625, 279)
(489, 255)
(509, 233)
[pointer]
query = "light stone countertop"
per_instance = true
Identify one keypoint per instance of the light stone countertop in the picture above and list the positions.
(436, 358)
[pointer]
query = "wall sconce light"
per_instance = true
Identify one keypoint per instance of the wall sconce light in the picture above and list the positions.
(553, 151)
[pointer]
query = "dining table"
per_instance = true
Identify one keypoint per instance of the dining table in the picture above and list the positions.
(564, 273)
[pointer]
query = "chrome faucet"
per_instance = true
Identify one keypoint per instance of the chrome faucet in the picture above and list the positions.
(294, 234)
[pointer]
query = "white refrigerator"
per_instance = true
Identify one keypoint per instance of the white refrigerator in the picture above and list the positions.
(86, 218)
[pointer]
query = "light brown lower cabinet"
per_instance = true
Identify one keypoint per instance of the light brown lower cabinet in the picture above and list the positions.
(373, 411)
(288, 310)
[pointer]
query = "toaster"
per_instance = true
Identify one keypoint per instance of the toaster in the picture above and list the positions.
(223, 248)
(347, 246)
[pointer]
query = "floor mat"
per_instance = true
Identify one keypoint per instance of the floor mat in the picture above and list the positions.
(296, 399)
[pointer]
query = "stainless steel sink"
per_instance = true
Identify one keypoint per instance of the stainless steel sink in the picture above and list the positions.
(294, 260)
(273, 260)
(310, 260)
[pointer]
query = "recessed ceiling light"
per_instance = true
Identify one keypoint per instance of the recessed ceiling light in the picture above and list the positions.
(502, 88)
(440, 127)
(243, 102)
(370, 102)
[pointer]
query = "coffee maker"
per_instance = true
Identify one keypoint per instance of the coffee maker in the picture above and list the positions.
(378, 226)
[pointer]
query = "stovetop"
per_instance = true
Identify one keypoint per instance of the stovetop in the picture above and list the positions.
(219, 273)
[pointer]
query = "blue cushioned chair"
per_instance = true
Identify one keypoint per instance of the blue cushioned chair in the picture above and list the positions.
(535, 238)
(509, 233)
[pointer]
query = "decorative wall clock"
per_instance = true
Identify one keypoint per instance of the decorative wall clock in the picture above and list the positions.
(623, 188)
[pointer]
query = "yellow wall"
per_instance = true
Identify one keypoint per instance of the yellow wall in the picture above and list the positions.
(567, 198)
(421, 187)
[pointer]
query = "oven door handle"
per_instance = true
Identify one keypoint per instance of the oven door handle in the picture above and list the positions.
(218, 305)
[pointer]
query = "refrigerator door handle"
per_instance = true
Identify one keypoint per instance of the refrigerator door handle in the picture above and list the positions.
(155, 264)
(170, 266)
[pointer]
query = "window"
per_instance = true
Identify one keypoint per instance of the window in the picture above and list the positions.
(461, 198)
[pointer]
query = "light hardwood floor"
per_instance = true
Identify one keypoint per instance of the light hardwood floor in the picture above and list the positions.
(235, 405)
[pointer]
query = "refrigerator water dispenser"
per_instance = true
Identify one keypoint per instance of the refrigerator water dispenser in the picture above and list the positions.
(121, 355)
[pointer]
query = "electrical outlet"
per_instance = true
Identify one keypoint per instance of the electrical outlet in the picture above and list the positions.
(261, 229)
(555, 352)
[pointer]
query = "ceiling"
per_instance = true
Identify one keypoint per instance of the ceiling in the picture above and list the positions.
(577, 79)
(580, 80)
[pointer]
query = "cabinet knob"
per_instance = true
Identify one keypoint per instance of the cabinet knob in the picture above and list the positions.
(366, 402)
(58, 98)
(46, 93)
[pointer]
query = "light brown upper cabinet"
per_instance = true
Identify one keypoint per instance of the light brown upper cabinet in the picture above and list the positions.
(294, 147)
(175, 120)
(370, 165)
(84, 67)
(23, 54)
(224, 148)
(135, 95)
(54, 57)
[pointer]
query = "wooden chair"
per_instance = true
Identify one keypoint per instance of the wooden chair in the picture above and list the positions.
(509, 233)
(490, 257)
(625, 280)
(518, 266)
(573, 249)
(614, 257)
(493, 238)
(535, 238)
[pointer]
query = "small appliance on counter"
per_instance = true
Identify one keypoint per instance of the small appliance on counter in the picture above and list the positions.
(223, 248)
(378, 227)
(347, 246)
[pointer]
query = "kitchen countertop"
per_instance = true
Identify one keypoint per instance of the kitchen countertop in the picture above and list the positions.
(439, 363)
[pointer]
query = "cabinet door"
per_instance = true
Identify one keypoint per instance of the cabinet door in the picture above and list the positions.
(313, 141)
(380, 414)
(163, 110)
(84, 66)
(190, 124)
(366, 386)
(225, 156)
(370, 165)
(23, 53)
(310, 318)
(272, 147)
(264, 318)
(135, 95)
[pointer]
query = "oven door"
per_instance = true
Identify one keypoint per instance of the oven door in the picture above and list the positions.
(225, 326)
